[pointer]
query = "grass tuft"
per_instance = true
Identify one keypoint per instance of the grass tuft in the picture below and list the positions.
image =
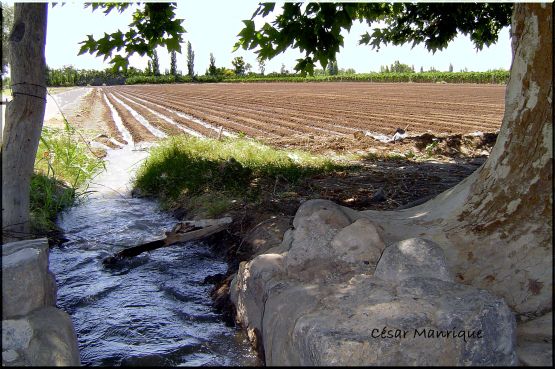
(63, 167)
(210, 173)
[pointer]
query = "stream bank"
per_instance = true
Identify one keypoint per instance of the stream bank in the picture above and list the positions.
(153, 309)
(261, 226)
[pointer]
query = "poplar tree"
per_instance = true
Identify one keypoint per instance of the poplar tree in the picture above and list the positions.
(155, 64)
(173, 63)
(190, 60)
(212, 70)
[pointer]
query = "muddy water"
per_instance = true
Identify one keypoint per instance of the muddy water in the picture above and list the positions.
(153, 309)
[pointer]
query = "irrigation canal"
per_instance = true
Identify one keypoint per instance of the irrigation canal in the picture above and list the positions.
(153, 309)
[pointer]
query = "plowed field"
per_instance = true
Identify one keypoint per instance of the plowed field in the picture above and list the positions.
(273, 111)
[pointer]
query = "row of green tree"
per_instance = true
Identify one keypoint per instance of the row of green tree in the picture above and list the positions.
(398, 67)
(243, 71)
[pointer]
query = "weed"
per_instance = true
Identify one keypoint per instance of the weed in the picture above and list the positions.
(63, 167)
(410, 154)
(431, 148)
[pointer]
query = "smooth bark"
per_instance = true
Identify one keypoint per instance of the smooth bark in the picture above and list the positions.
(24, 116)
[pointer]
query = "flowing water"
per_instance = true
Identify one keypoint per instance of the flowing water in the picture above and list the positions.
(153, 309)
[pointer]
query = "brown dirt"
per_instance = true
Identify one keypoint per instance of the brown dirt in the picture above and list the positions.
(285, 109)
(136, 129)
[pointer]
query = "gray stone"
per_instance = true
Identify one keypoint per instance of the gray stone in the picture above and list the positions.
(9, 356)
(359, 243)
(16, 334)
(537, 330)
(535, 353)
(267, 235)
(51, 290)
(248, 288)
(312, 235)
(26, 283)
(54, 342)
(310, 303)
(414, 257)
(38, 243)
(311, 206)
(285, 302)
(341, 325)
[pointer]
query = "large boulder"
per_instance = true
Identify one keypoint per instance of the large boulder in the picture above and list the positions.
(330, 294)
(368, 321)
(326, 244)
(414, 257)
(45, 337)
(27, 283)
(34, 332)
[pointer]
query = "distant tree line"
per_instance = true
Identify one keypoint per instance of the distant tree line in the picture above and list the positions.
(242, 71)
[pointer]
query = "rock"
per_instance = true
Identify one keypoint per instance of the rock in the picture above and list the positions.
(45, 337)
(415, 257)
(335, 214)
(345, 327)
(54, 342)
(537, 330)
(339, 321)
(342, 324)
(26, 282)
(9, 356)
(285, 303)
(316, 223)
(316, 299)
(535, 339)
(359, 243)
(535, 353)
(248, 288)
(267, 235)
(16, 334)
(379, 196)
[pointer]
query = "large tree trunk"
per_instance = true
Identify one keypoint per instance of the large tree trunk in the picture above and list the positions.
(24, 116)
(496, 226)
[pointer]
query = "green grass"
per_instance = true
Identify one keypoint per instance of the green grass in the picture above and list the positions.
(49, 196)
(63, 167)
(211, 174)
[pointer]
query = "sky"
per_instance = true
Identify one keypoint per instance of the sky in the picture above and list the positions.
(212, 27)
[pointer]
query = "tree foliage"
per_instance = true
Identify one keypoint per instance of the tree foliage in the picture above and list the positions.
(315, 28)
(398, 67)
(333, 69)
(155, 63)
(173, 63)
(153, 25)
(261, 66)
(239, 65)
(190, 60)
(212, 70)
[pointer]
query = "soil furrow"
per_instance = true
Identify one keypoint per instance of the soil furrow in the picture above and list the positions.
(137, 130)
